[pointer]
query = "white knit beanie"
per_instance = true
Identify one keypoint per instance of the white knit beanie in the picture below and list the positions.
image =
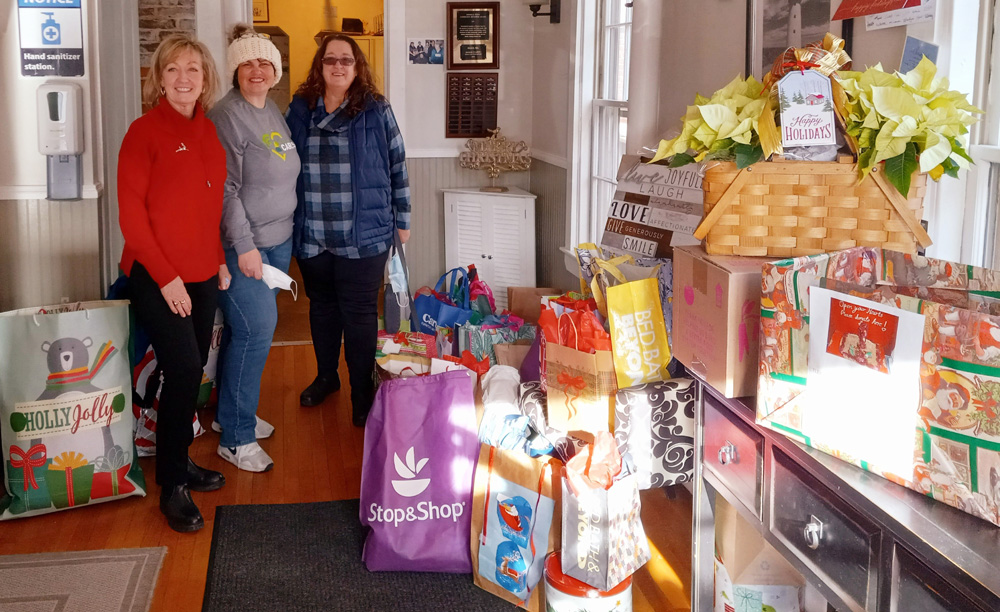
(250, 47)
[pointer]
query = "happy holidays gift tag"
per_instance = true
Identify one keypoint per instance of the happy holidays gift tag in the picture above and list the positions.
(806, 102)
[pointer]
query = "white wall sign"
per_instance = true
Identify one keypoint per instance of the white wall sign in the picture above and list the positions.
(901, 17)
(51, 36)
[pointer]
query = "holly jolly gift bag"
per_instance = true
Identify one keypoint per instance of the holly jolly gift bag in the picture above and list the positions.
(65, 428)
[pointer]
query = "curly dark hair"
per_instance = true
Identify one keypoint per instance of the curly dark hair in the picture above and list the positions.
(361, 90)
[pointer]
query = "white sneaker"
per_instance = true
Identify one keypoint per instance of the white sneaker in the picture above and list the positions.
(262, 430)
(250, 457)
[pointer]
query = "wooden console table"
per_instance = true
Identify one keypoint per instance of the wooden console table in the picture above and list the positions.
(862, 541)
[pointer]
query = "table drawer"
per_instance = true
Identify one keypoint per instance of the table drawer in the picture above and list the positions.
(918, 588)
(830, 538)
(734, 453)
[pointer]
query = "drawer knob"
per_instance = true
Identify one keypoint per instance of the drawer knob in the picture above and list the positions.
(727, 454)
(813, 532)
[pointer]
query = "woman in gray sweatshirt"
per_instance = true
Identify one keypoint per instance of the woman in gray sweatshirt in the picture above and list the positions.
(262, 166)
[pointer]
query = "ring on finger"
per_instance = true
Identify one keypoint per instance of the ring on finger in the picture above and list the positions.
(183, 301)
(174, 302)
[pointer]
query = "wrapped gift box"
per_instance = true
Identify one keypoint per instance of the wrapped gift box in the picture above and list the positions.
(70, 479)
(654, 423)
(889, 361)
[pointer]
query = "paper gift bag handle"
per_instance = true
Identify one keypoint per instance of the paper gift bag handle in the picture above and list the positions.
(559, 330)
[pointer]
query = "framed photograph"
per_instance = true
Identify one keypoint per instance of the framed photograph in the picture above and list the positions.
(473, 36)
(426, 51)
(775, 25)
(260, 13)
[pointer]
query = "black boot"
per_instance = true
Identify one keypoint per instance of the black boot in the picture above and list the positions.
(202, 480)
(316, 392)
(182, 515)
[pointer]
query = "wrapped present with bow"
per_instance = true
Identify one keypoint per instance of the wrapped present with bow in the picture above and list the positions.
(111, 474)
(70, 478)
(406, 343)
(26, 470)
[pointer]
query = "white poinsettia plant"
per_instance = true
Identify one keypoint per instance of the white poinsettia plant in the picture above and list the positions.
(723, 127)
(909, 121)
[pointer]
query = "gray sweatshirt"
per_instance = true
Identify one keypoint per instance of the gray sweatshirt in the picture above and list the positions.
(262, 166)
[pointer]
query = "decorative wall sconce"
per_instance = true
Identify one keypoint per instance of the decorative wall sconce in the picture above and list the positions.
(536, 6)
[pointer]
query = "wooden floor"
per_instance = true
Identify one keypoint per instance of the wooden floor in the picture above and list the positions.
(317, 454)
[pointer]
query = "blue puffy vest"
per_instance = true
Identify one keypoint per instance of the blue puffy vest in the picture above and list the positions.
(371, 189)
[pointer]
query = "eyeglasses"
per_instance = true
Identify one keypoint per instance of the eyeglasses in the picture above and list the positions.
(346, 62)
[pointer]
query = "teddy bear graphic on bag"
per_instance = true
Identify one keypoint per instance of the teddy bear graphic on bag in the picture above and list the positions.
(52, 469)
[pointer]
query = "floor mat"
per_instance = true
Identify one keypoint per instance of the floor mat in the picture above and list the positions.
(297, 557)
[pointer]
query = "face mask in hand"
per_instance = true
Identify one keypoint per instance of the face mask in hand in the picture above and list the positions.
(276, 279)
(397, 275)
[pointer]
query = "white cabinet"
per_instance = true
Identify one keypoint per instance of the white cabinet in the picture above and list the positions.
(494, 231)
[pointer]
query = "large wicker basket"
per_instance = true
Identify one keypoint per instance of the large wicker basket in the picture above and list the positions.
(791, 208)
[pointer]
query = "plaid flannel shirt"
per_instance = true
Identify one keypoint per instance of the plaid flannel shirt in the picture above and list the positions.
(326, 166)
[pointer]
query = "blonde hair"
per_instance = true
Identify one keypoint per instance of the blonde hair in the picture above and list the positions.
(168, 50)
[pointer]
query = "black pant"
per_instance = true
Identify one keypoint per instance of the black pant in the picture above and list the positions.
(343, 302)
(181, 346)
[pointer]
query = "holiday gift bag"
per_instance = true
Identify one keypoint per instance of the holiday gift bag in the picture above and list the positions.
(580, 384)
(481, 339)
(603, 538)
(515, 519)
(64, 423)
(638, 333)
(416, 474)
(654, 423)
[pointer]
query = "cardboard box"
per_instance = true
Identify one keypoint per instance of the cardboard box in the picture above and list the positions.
(716, 318)
(526, 302)
(749, 570)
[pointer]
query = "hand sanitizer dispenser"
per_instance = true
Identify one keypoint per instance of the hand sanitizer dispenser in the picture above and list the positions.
(60, 138)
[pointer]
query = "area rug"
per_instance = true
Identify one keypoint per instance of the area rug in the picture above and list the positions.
(296, 557)
(120, 580)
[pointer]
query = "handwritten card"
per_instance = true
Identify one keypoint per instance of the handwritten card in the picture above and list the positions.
(862, 335)
(806, 103)
(902, 17)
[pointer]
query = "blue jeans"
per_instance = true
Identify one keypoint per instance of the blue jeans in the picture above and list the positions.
(250, 314)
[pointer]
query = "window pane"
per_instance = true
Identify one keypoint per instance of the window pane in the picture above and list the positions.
(617, 42)
(990, 244)
(618, 12)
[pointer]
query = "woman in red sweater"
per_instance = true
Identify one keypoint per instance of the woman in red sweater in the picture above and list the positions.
(171, 171)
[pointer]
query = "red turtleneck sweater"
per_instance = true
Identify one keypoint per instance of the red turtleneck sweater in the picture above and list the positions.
(171, 172)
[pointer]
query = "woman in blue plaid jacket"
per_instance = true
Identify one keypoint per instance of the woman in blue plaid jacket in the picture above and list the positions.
(353, 192)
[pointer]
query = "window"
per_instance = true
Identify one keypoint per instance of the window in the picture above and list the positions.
(980, 245)
(609, 116)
